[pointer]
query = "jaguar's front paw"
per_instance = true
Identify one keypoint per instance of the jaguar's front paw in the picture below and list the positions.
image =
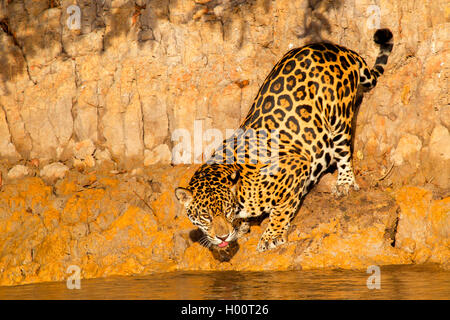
(243, 229)
(265, 244)
(340, 190)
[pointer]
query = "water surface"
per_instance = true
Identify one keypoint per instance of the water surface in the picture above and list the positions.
(397, 282)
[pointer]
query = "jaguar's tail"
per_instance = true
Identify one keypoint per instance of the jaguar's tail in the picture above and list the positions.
(368, 78)
(382, 37)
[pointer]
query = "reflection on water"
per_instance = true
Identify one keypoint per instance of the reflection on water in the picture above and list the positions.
(397, 282)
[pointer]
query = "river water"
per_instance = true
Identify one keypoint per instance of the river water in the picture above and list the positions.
(396, 282)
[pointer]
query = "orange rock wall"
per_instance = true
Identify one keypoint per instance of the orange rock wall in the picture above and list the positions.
(120, 224)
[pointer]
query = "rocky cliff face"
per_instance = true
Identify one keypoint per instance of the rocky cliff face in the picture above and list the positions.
(124, 76)
(94, 96)
(123, 224)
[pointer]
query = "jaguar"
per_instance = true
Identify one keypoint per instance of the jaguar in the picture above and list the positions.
(300, 124)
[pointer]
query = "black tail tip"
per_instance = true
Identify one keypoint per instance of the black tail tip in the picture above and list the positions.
(382, 36)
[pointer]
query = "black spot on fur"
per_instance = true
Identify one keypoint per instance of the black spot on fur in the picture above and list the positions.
(268, 104)
(317, 57)
(301, 76)
(347, 91)
(264, 88)
(304, 111)
(333, 120)
(344, 62)
(351, 59)
(289, 67)
(367, 73)
(302, 54)
(327, 158)
(352, 81)
(293, 124)
(290, 83)
(305, 64)
(300, 93)
(317, 46)
(309, 136)
(339, 92)
(318, 170)
(286, 137)
(331, 47)
(330, 56)
(271, 123)
(279, 114)
(379, 68)
(313, 89)
(330, 94)
(285, 101)
(277, 85)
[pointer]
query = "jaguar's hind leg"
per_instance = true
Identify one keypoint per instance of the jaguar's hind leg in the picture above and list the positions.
(345, 180)
(343, 158)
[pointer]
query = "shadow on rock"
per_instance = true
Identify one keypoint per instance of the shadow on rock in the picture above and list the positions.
(220, 254)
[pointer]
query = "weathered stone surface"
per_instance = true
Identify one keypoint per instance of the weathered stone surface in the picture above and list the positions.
(408, 147)
(18, 171)
(102, 155)
(7, 148)
(126, 225)
(91, 43)
(424, 225)
(54, 171)
(136, 71)
(439, 146)
(47, 116)
(83, 149)
(161, 154)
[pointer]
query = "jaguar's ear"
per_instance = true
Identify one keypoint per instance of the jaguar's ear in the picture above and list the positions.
(234, 177)
(183, 195)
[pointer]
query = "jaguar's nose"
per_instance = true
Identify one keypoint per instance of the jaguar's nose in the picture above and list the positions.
(223, 238)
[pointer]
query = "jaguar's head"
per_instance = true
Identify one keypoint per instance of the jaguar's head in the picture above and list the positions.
(211, 205)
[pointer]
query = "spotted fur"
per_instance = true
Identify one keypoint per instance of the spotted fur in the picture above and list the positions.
(299, 124)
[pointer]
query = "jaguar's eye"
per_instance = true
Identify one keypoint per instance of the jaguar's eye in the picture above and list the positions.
(207, 218)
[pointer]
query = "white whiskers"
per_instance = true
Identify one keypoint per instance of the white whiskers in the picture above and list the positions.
(204, 241)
